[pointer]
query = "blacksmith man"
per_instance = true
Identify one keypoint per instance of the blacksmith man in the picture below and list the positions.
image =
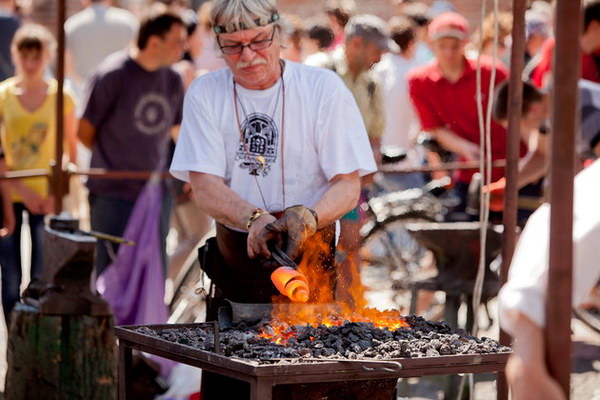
(273, 150)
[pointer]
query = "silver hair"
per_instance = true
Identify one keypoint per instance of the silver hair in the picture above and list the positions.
(237, 15)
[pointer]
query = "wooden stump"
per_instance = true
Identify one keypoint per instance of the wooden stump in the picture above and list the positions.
(60, 357)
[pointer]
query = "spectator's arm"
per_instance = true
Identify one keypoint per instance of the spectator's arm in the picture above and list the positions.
(174, 132)
(526, 369)
(379, 110)
(378, 122)
(452, 142)
(432, 123)
(596, 149)
(533, 166)
(86, 132)
(71, 136)
(7, 225)
(70, 70)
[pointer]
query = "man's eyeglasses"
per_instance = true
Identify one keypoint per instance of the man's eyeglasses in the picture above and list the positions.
(254, 46)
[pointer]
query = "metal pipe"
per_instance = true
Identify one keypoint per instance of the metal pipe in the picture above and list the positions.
(100, 173)
(515, 92)
(557, 331)
(28, 173)
(509, 218)
(59, 181)
(97, 173)
(465, 165)
(217, 337)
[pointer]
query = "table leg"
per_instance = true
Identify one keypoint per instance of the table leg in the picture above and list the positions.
(261, 389)
(451, 307)
(125, 371)
(502, 386)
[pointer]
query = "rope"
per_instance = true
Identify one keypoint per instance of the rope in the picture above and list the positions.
(485, 168)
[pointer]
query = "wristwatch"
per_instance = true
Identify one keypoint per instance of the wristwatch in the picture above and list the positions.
(256, 214)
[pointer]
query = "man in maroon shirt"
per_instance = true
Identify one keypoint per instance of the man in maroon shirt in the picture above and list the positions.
(444, 93)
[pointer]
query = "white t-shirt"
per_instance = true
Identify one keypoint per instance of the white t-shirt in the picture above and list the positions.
(401, 122)
(97, 31)
(527, 286)
(323, 136)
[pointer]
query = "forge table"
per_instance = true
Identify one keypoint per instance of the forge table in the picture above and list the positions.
(263, 378)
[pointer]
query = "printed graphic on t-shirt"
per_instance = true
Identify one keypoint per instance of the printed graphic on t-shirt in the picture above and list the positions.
(151, 114)
(26, 149)
(258, 151)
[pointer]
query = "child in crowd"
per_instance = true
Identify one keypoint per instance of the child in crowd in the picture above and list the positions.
(28, 137)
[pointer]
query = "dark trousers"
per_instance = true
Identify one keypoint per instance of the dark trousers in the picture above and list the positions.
(110, 215)
(242, 280)
(10, 257)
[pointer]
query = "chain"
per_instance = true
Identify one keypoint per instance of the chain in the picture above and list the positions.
(260, 159)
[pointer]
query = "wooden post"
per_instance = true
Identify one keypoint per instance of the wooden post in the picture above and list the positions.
(55, 357)
(64, 347)
(566, 64)
(509, 218)
(59, 178)
(125, 370)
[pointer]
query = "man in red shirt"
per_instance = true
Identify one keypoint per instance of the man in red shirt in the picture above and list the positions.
(444, 93)
(590, 49)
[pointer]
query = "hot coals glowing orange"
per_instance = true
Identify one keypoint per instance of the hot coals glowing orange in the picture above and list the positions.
(324, 309)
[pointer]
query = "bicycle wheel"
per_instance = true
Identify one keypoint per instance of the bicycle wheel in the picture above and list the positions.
(392, 260)
(188, 304)
(590, 317)
(190, 286)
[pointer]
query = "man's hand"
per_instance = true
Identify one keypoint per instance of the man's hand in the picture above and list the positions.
(297, 224)
(35, 203)
(8, 220)
(452, 142)
(469, 150)
(496, 190)
(526, 370)
(257, 244)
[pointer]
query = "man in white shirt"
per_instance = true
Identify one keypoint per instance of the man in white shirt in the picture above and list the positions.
(94, 33)
(273, 150)
(523, 298)
(401, 121)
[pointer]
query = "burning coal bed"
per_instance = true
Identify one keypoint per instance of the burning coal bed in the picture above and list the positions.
(350, 340)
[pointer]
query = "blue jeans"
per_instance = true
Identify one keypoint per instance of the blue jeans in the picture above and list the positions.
(10, 257)
(395, 182)
(110, 215)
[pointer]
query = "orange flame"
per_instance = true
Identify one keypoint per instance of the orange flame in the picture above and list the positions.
(322, 308)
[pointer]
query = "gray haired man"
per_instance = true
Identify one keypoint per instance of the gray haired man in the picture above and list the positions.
(274, 150)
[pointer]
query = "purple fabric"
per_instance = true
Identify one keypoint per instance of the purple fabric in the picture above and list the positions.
(132, 111)
(134, 284)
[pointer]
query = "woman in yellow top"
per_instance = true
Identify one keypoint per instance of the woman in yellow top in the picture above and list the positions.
(28, 138)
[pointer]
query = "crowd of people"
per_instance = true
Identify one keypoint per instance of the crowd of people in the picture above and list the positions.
(274, 124)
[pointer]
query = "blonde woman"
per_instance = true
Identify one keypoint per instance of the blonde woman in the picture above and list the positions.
(28, 137)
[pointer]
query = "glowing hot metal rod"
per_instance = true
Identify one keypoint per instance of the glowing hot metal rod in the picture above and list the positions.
(287, 279)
